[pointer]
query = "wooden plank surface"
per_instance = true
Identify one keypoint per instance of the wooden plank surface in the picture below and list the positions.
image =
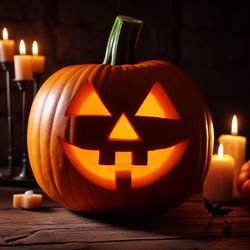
(186, 227)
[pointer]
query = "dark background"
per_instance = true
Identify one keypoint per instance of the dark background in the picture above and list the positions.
(209, 39)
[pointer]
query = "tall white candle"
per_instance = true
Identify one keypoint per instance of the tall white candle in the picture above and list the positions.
(22, 64)
(235, 146)
(218, 185)
(38, 61)
(7, 48)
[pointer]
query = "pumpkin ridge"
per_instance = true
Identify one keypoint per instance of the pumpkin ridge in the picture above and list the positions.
(209, 143)
(206, 120)
(41, 146)
(61, 87)
(56, 76)
(40, 180)
(97, 74)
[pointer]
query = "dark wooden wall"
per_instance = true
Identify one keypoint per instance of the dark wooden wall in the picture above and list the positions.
(208, 39)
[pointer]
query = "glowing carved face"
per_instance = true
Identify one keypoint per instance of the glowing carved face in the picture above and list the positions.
(124, 152)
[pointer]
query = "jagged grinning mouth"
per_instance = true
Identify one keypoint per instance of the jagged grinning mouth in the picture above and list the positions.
(160, 162)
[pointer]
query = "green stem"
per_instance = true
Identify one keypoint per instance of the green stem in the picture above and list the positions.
(122, 41)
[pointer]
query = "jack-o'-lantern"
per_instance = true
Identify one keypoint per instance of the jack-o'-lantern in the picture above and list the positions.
(119, 136)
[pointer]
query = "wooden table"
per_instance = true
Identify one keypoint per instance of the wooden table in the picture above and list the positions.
(186, 227)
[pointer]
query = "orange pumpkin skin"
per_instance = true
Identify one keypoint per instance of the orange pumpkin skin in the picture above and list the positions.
(243, 181)
(48, 124)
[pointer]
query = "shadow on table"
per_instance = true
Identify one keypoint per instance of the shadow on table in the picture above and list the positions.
(146, 222)
(186, 221)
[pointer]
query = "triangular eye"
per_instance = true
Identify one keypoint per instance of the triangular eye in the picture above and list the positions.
(87, 102)
(157, 104)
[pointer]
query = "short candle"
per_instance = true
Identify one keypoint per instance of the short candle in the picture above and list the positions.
(22, 64)
(218, 185)
(28, 200)
(38, 61)
(235, 146)
(7, 48)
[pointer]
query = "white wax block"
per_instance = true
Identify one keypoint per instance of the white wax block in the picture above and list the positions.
(29, 200)
(38, 63)
(23, 67)
(236, 147)
(7, 48)
(218, 185)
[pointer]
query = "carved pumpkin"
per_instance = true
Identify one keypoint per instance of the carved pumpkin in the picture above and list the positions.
(243, 182)
(119, 136)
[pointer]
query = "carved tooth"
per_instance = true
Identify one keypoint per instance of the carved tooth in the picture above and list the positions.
(140, 157)
(107, 157)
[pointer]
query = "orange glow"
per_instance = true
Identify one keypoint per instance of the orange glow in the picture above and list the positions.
(160, 162)
(158, 104)
(5, 34)
(123, 158)
(123, 130)
(234, 129)
(35, 48)
(22, 48)
(87, 102)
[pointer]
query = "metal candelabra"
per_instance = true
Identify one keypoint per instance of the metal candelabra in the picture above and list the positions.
(28, 88)
(24, 86)
(7, 68)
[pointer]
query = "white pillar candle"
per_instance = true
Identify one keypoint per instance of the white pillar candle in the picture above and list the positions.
(38, 61)
(22, 64)
(235, 146)
(28, 200)
(7, 48)
(218, 185)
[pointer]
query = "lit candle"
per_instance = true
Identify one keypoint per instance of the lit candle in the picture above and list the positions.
(7, 48)
(23, 65)
(28, 200)
(235, 146)
(218, 185)
(38, 61)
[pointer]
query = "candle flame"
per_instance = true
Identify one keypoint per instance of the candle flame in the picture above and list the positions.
(5, 34)
(220, 151)
(22, 48)
(234, 129)
(35, 48)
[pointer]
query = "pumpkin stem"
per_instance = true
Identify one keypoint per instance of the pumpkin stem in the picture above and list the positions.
(122, 41)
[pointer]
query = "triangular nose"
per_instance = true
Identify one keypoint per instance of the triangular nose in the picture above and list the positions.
(123, 131)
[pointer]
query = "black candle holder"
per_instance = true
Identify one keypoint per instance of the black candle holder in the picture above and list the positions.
(8, 67)
(37, 81)
(24, 86)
